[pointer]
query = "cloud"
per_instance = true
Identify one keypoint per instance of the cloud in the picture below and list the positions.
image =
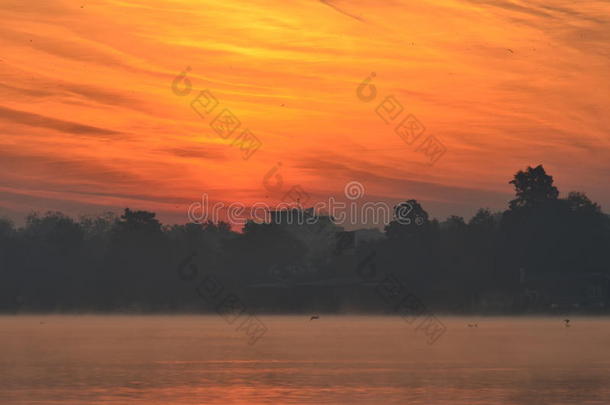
(80, 52)
(197, 152)
(40, 121)
(393, 183)
(330, 4)
(289, 72)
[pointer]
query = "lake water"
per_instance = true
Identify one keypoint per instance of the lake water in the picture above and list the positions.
(332, 360)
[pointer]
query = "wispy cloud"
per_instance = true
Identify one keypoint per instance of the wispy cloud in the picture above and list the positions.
(88, 117)
(331, 4)
(41, 121)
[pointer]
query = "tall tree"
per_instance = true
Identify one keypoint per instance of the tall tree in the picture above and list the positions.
(533, 188)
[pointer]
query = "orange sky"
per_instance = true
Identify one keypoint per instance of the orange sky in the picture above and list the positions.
(89, 121)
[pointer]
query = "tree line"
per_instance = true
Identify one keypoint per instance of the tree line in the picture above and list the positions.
(542, 253)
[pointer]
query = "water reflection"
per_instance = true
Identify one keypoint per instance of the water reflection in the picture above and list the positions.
(336, 360)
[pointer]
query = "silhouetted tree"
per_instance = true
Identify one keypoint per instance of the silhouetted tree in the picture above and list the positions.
(410, 220)
(131, 262)
(533, 188)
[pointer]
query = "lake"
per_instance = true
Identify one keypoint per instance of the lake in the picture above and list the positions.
(332, 360)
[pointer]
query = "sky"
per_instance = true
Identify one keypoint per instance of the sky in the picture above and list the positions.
(95, 115)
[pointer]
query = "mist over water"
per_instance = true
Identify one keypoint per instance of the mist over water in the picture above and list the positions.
(331, 360)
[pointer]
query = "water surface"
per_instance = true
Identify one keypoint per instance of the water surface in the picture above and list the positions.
(333, 360)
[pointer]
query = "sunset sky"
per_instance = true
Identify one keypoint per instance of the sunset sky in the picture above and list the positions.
(89, 121)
